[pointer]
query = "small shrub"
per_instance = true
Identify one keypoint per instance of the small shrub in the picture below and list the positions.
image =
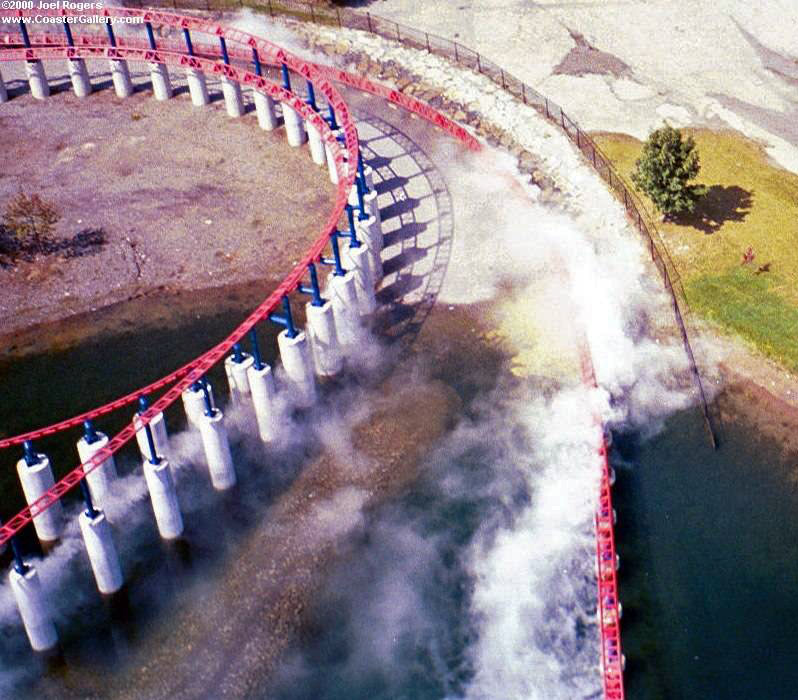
(30, 219)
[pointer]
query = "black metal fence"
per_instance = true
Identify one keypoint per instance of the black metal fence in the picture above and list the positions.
(466, 57)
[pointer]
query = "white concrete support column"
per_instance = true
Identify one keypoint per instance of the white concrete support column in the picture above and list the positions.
(372, 207)
(161, 85)
(294, 127)
(197, 87)
(298, 364)
(264, 108)
(237, 377)
(33, 608)
(331, 160)
(194, 403)
(163, 495)
(102, 553)
(343, 295)
(37, 79)
(100, 479)
(324, 343)
(120, 75)
(159, 436)
(36, 479)
(233, 101)
(370, 232)
(317, 150)
(357, 259)
(217, 450)
(3, 91)
(264, 399)
(79, 75)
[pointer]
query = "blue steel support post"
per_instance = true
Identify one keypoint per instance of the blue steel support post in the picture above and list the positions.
(19, 565)
(30, 456)
(314, 283)
(313, 290)
(253, 339)
(110, 30)
(91, 511)
(339, 270)
(286, 319)
(333, 122)
(206, 395)
(238, 358)
(68, 32)
(143, 406)
(25, 38)
(286, 76)
(350, 215)
(225, 56)
(150, 35)
(361, 205)
(256, 62)
(89, 433)
(311, 97)
(189, 45)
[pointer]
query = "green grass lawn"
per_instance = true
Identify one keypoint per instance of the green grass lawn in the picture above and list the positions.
(750, 202)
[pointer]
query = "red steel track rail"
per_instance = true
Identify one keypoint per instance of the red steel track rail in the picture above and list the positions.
(50, 46)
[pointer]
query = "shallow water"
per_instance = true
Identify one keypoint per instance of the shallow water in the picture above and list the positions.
(709, 563)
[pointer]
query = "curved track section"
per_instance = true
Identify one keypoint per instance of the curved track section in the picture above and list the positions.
(50, 47)
(213, 58)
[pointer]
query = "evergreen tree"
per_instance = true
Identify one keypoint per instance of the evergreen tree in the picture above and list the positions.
(664, 170)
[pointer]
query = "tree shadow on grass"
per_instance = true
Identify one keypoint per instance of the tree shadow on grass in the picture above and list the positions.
(719, 205)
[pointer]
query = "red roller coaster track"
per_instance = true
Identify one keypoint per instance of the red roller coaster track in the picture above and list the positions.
(49, 46)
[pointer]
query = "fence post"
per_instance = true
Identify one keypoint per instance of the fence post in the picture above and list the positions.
(368, 19)
(271, 9)
(578, 142)
(504, 84)
(523, 92)
(625, 201)
(594, 156)
(398, 38)
(312, 14)
(456, 57)
(338, 13)
(427, 36)
(479, 64)
(546, 102)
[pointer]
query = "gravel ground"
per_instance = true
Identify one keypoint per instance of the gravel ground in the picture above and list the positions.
(202, 196)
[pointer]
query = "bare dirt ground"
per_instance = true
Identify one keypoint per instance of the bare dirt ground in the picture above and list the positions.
(200, 195)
